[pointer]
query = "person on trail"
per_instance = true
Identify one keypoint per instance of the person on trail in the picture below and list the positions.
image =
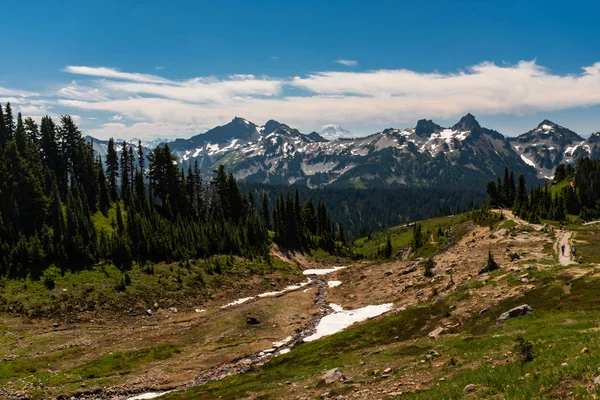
(573, 251)
(562, 249)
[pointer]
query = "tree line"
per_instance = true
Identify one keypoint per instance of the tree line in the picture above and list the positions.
(55, 191)
(578, 195)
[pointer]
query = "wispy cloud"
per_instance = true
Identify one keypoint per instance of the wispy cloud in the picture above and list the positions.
(175, 107)
(160, 67)
(112, 73)
(274, 57)
(117, 117)
(347, 63)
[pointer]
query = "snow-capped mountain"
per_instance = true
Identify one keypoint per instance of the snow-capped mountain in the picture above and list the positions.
(549, 144)
(333, 132)
(430, 155)
(463, 155)
(101, 145)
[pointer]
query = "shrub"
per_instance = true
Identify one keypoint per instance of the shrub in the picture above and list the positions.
(525, 349)
(49, 276)
(429, 265)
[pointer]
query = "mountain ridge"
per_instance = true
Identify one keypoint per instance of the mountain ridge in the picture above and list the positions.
(426, 155)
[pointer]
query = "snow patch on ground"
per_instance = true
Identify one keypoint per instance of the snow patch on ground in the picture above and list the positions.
(267, 294)
(334, 283)
(149, 395)
(341, 319)
(323, 271)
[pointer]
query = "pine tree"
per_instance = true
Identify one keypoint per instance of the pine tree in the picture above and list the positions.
(4, 137)
(112, 168)
(125, 176)
(388, 247)
(265, 214)
(120, 224)
(9, 122)
(104, 197)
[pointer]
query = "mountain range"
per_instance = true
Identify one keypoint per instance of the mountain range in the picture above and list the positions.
(463, 155)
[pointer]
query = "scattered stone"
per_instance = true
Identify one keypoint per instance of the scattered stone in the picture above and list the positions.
(399, 310)
(387, 370)
(419, 293)
(531, 267)
(523, 309)
(155, 305)
(334, 375)
(409, 269)
(449, 285)
(325, 395)
(396, 338)
(388, 273)
(363, 276)
(252, 321)
(173, 309)
(564, 364)
(585, 350)
(449, 271)
(149, 312)
(483, 311)
(56, 324)
(597, 380)
(437, 332)
(524, 280)
(470, 388)
(433, 353)
(385, 376)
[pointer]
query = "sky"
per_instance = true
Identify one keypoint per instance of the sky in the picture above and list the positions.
(158, 69)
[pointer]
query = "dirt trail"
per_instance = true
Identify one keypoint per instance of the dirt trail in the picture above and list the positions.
(563, 238)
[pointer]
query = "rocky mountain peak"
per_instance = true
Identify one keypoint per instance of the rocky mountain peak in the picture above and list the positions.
(425, 127)
(467, 123)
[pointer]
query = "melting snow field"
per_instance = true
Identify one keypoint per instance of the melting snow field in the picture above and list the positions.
(527, 161)
(324, 271)
(340, 319)
(334, 283)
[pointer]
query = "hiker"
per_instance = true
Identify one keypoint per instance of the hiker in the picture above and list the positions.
(573, 251)
(580, 260)
(562, 249)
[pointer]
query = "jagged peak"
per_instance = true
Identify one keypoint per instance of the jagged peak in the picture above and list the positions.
(270, 126)
(425, 127)
(467, 123)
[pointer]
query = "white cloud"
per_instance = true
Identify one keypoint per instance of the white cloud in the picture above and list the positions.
(117, 117)
(112, 73)
(355, 98)
(347, 63)
(160, 67)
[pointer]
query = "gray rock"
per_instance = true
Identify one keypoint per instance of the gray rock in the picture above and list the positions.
(399, 310)
(409, 269)
(469, 388)
(252, 321)
(437, 332)
(597, 380)
(173, 309)
(334, 375)
(149, 312)
(515, 312)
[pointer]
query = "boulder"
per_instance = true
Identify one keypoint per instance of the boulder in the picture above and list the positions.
(334, 375)
(252, 321)
(523, 309)
(409, 269)
(469, 388)
(437, 332)
(597, 380)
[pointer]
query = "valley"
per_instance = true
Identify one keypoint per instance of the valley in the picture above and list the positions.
(206, 349)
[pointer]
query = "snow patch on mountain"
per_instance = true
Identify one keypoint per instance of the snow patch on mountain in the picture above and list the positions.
(333, 132)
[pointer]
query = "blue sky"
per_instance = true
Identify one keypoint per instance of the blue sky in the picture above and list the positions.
(160, 69)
